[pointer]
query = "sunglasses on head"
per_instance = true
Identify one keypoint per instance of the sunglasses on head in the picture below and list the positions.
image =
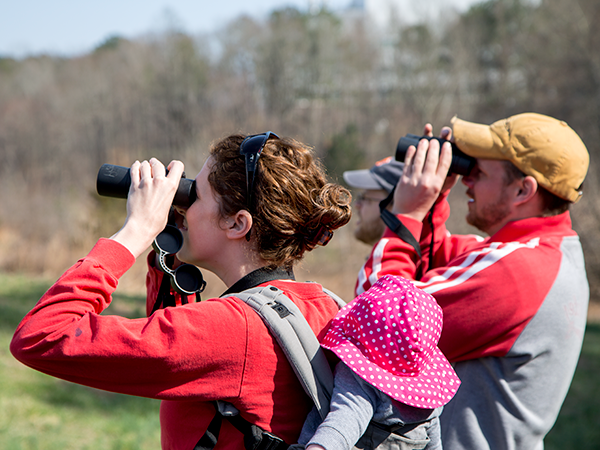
(251, 148)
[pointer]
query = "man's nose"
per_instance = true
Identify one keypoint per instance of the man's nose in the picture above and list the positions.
(467, 181)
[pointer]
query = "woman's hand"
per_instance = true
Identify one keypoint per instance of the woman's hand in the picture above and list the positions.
(148, 203)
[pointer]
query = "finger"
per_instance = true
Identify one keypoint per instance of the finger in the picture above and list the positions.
(433, 154)
(175, 169)
(134, 173)
(420, 157)
(445, 159)
(145, 170)
(158, 169)
(428, 130)
(446, 133)
(408, 159)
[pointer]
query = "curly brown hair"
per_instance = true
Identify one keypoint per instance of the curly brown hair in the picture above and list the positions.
(291, 198)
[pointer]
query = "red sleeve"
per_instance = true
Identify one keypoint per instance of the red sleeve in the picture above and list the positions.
(393, 256)
(390, 256)
(65, 336)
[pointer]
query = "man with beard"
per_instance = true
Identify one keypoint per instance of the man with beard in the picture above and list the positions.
(514, 303)
(376, 183)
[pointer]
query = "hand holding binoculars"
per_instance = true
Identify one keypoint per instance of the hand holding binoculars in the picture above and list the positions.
(461, 164)
(114, 181)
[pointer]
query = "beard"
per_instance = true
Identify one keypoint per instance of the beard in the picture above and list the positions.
(370, 232)
(489, 215)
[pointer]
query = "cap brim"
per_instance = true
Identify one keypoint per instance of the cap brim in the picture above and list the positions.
(476, 140)
(361, 179)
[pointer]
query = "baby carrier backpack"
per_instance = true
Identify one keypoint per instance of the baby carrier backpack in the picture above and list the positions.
(300, 345)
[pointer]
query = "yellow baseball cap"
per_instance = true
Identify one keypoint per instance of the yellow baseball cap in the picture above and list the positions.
(541, 146)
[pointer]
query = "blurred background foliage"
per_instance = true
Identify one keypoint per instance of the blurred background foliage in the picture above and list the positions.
(334, 81)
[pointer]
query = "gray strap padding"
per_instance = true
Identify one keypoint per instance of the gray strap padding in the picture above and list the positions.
(341, 303)
(294, 335)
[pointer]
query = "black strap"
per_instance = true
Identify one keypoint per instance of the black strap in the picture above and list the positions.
(430, 220)
(259, 276)
(255, 438)
(394, 224)
(164, 297)
(209, 440)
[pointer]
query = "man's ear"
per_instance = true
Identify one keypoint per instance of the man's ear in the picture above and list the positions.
(527, 189)
(238, 225)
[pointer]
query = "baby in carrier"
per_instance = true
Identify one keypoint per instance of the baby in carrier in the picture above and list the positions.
(392, 380)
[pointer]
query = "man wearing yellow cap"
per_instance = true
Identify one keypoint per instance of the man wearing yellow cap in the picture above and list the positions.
(514, 303)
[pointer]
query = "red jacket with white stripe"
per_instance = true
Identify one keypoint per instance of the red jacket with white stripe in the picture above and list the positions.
(488, 288)
(515, 307)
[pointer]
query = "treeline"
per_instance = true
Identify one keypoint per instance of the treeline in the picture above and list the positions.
(332, 80)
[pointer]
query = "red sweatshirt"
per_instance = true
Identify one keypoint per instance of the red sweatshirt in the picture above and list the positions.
(489, 289)
(188, 356)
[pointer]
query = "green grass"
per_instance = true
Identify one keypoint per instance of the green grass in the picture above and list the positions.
(578, 424)
(38, 412)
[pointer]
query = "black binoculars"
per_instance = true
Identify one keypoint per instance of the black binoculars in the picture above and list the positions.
(461, 164)
(114, 181)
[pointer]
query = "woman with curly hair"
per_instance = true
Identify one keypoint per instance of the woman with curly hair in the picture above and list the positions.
(261, 203)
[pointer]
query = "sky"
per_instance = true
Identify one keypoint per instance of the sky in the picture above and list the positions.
(71, 27)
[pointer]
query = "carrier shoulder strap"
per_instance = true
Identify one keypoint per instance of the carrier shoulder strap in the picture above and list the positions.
(340, 302)
(297, 340)
(294, 335)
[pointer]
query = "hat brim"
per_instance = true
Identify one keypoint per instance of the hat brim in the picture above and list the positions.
(433, 387)
(361, 179)
(477, 140)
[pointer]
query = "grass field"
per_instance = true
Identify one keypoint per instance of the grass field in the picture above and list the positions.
(38, 412)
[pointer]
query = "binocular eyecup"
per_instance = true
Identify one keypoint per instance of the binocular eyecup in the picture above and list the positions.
(114, 181)
(185, 279)
(462, 164)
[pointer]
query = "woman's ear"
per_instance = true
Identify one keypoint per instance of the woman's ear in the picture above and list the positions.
(238, 225)
(527, 189)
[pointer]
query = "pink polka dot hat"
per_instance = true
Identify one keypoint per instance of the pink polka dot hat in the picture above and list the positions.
(388, 336)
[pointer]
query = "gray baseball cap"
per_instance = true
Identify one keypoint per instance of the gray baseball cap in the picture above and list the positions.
(383, 175)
